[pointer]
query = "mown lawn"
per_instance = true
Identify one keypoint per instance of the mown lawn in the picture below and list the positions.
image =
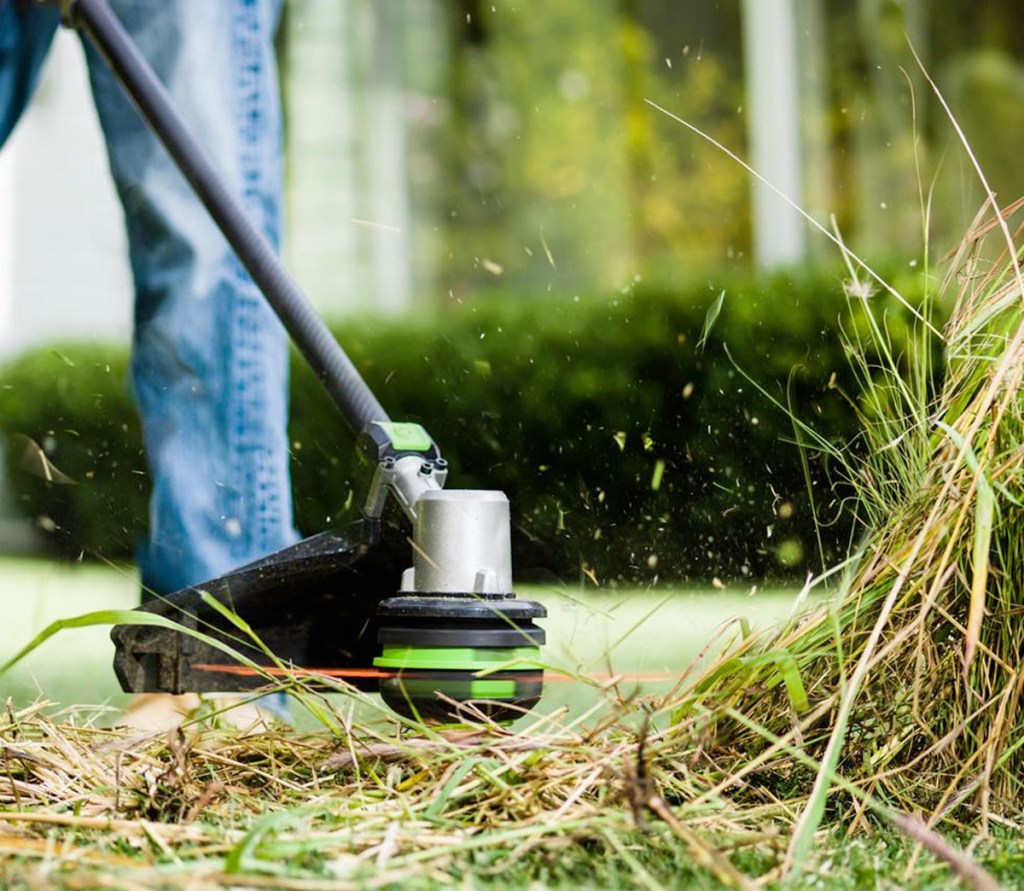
(75, 667)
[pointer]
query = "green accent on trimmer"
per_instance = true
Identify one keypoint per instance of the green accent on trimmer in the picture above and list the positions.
(406, 436)
(485, 689)
(454, 658)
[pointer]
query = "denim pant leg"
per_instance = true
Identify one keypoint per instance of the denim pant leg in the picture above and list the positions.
(26, 32)
(210, 360)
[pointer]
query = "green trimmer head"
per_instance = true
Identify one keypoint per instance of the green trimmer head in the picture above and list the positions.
(451, 656)
(456, 639)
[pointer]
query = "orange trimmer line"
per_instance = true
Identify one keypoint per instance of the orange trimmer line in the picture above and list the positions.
(244, 671)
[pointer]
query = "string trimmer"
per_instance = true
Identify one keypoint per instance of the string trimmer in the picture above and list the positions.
(446, 631)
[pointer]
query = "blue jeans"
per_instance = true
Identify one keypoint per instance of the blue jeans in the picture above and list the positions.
(210, 360)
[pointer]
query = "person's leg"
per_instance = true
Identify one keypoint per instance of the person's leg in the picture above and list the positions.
(26, 32)
(210, 362)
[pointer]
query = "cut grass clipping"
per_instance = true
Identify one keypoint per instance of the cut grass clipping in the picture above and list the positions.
(899, 697)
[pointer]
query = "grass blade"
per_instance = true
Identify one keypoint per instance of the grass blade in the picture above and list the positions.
(121, 617)
(984, 521)
(709, 321)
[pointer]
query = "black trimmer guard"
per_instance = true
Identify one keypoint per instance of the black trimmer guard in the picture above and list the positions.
(309, 604)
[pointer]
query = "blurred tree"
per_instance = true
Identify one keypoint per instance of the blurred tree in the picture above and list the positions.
(689, 201)
(978, 60)
(559, 175)
(534, 149)
(534, 163)
(897, 157)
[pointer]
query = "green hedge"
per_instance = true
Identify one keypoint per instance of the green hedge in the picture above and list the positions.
(627, 450)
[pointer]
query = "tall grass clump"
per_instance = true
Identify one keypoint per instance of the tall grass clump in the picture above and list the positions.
(910, 680)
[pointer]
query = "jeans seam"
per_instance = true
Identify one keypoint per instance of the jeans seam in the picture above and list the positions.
(251, 475)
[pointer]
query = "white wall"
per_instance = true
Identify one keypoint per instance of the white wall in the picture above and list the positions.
(350, 219)
(774, 130)
(63, 266)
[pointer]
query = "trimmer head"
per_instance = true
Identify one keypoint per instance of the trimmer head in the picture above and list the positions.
(457, 633)
(437, 650)
(447, 651)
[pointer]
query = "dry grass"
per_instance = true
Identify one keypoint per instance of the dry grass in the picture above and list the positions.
(356, 807)
(650, 788)
(916, 670)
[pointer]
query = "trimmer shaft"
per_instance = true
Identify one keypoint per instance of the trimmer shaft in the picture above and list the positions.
(455, 618)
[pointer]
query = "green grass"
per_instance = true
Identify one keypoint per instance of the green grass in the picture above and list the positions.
(632, 633)
(76, 666)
